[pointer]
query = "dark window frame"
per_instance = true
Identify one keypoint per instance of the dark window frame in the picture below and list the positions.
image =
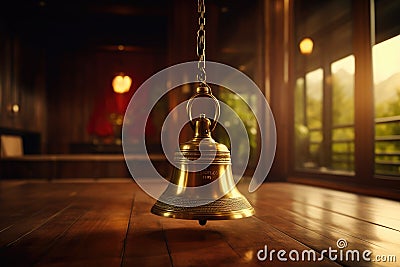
(364, 180)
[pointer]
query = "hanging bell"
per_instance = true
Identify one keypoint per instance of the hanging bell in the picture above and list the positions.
(202, 186)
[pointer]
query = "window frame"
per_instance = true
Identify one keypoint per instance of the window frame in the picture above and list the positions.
(364, 180)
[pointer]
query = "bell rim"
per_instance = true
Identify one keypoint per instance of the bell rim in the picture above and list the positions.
(225, 208)
(235, 214)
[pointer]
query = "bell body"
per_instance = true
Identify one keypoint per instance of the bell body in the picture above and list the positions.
(202, 185)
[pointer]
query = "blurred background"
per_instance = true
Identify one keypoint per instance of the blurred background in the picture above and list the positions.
(329, 69)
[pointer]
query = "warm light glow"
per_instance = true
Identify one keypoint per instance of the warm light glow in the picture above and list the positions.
(306, 46)
(15, 108)
(121, 83)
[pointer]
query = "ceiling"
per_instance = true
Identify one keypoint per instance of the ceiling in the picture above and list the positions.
(66, 23)
(60, 25)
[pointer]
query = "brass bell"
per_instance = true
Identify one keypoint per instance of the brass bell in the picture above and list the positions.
(202, 186)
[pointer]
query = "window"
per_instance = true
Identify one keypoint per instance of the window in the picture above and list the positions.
(324, 90)
(343, 113)
(309, 119)
(329, 135)
(386, 80)
(248, 118)
(386, 67)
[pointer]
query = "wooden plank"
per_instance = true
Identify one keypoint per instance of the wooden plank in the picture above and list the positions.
(375, 210)
(219, 243)
(18, 231)
(321, 228)
(109, 223)
(145, 243)
(371, 211)
(97, 237)
(248, 236)
(91, 230)
(193, 245)
(37, 243)
(323, 240)
(172, 241)
(27, 207)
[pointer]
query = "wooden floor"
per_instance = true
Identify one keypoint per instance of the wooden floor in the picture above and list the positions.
(108, 223)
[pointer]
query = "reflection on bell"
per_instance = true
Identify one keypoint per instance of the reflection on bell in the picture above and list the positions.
(202, 185)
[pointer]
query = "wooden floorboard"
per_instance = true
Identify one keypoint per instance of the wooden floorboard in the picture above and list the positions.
(304, 213)
(145, 243)
(108, 223)
(36, 245)
(373, 210)
(320, 224)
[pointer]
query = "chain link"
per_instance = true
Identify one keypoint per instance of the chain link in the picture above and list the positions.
(201, 42)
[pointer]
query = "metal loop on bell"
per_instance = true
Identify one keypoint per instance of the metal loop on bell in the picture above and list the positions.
(204, 91)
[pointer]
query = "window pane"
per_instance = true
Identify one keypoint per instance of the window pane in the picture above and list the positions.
(386, 67)
(301, 131)
(343, 114)
(324, 92)
(314, 91)
(308, 119)
(247, 116)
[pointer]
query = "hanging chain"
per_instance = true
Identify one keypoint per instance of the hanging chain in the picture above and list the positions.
(201, 42)
(203, 90)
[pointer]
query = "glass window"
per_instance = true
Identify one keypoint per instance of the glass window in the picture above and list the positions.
(324, 96)
(386, 67)
(386, 78)
(301, 130)
(314, 92)
(343, 114)
(324, 89)
(247, 116)
(308, 119)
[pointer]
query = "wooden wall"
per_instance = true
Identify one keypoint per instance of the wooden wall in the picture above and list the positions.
(21, 83)
(57, 62)
(80, 82)
(66, 57)
(58, 90)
